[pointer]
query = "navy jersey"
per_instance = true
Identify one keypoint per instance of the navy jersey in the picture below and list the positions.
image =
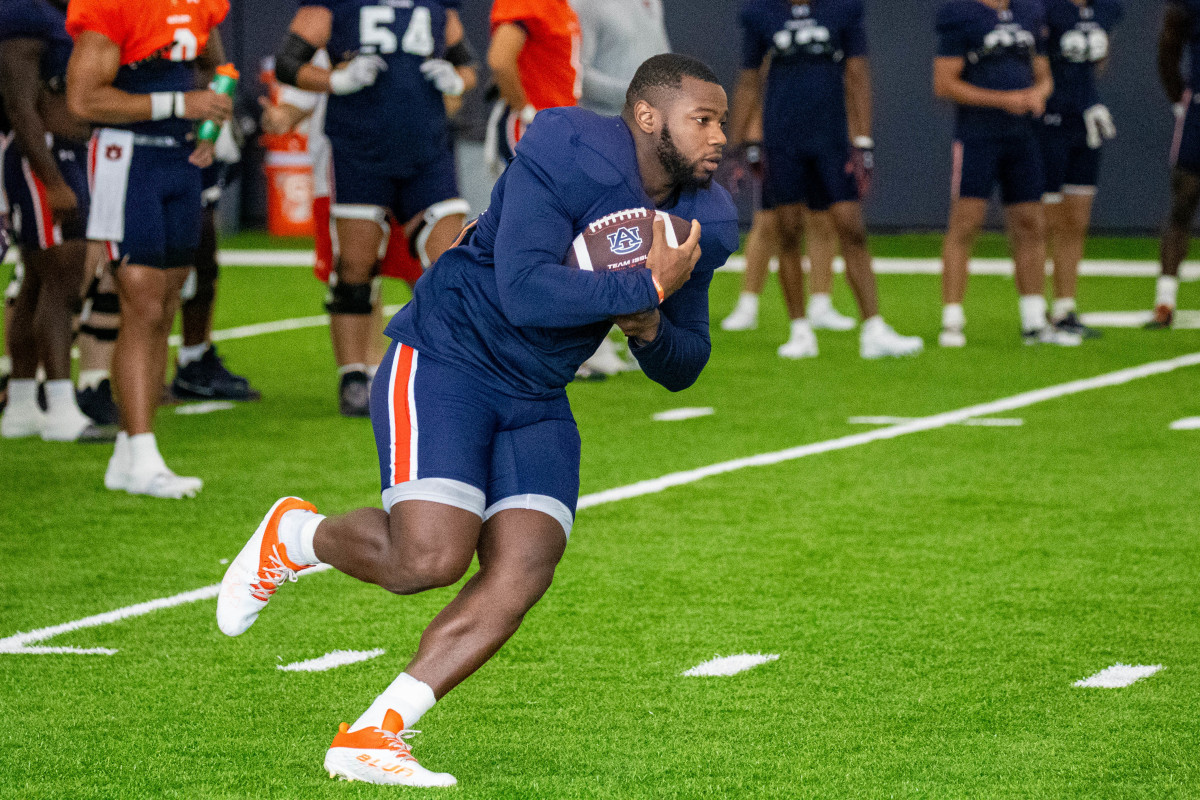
(398, 124)
(999, 48)
(1078, 42)
(808, 46)
(38, 19)
(503, 306)
(1192, 8)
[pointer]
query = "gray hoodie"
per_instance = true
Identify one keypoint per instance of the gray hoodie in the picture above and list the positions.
(618, 35)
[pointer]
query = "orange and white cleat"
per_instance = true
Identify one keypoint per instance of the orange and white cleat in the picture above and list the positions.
(377, 755)
(258, 571)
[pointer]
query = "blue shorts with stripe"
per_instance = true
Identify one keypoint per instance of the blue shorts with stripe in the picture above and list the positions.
(1013, 162)
(446, 436)
(28, 202)
(1070, 165)
(816, 177)
(359, 182)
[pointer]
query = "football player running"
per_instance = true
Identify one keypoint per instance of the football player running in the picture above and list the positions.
(133, 71)
(391, 146)
(44, 178)
(1073, 131)
(478, 450)
(991, 62)
(1180, 31)
(817, 95)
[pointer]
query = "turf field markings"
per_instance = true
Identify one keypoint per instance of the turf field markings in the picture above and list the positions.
(1118, 676)
(18, 641)
(277, 326)
(1184, 320)
(987, 422)
(338, 658)
(207, 407)
(729, 665)
(679, 414)
(1186, 424)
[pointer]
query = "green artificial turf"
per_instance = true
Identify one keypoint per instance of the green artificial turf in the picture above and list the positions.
(932, 598)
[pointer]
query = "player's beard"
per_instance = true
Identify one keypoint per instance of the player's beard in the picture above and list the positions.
(681, 171)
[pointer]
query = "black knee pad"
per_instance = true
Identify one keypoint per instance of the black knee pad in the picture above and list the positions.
(348, 298)
(98, 302)
(206, 284)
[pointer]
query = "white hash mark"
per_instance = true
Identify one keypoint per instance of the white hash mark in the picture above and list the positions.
(729, 665)
(1186, 424)
(338, 658)
(677, 414)
(1118, 676)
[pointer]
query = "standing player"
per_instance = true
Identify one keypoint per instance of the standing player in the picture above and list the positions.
(1072, 132)
(1180, 30)
(479, 453)
(534, 56)
(45, 182)
(818, 94)
(992, 64)
(133, 71)
(391, 146)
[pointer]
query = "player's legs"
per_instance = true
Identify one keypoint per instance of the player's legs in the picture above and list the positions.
(352, 295)
(801, 342)
(762, 244)
(821, 244)
(1067, 226)
(966, 220)
(22, 415)
(1185, 197)
(98, 327)
(852, 233)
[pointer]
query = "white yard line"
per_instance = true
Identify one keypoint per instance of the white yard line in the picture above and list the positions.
(722, 666)
(1186, 424)
(991, 422)
(679, 414)
(338, 658)
(997, 266)
(18, 641)
(1185, 319)
(1118, 676)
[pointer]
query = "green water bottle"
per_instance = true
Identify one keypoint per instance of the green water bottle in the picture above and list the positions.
(224, 82)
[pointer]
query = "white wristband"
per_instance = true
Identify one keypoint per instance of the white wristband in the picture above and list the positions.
(161, 105)
(528, 113)
(864, 142)
(180, 106)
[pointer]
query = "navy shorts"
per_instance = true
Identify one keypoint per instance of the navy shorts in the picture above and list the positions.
(1013, 162)
(145, 200)
(1185, 151)
(1070, 166)
(26, 199)
(444, 435)
(359, 182)
(818, 178)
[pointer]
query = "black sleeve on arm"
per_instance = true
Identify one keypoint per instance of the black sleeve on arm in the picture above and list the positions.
(680, 351)
(461, 54)
(293, 54)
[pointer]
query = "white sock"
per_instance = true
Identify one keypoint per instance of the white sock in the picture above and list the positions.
(1063, 306)
(801, 328)
(1033, 312)
(819, 302)
(92, 378)
(296, 531)
(873, 325)
(407, 696)
(348, 368)
(143, 453)
(22, 392)
(5, 365)
(747, 302)
(953, 317)
(60, 398)
(371, 370)
(1166, 290)
(190, 353)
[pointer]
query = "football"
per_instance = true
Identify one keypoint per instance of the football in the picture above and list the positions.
(622, 240)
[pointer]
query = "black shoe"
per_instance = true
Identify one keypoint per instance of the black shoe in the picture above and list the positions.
(43, 403)
(3, 393)
(1071, 324)
(354, 394)
(208, 379)
(98, 403)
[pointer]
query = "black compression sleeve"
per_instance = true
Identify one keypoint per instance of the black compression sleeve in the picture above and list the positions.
(461, 54)
(293, 54)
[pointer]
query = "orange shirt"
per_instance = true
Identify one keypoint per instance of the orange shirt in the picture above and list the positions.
(549, 63)
(177, 29)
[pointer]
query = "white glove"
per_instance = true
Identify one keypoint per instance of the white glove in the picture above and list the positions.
(359, 73)
(1180, 110)
(444, 76)
(1099, 124)
(226, 149)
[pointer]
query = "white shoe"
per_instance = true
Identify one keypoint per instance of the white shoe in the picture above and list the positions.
(74, 427)
(160, 482)
(952, 337)
(258, 571)
(22, 421)
(116, 476)
(374, 755)
(606, 360)
(740, 319)
(1052, 335)
(801, 344)
(880, 340)
(827, 318)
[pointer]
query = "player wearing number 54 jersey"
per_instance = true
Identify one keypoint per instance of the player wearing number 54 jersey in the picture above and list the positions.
(395, 64)
(133, 71)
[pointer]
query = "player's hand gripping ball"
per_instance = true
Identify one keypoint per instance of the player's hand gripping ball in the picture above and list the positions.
(623, 240)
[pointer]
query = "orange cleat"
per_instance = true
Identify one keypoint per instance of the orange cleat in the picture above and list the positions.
(380, 756)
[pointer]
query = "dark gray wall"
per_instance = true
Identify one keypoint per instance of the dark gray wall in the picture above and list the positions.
(912, 131)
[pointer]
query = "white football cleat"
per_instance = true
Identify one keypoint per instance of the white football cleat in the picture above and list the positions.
(259, 569)
(606, 360)
(22, 420)
(375, 755)
(741, 318)
(824, 317)
(160, 482)
(1050, 334)
(880, 340)
(952, 337)
(801, 344)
